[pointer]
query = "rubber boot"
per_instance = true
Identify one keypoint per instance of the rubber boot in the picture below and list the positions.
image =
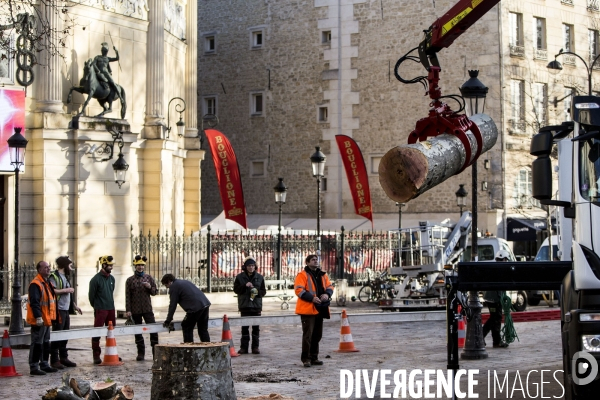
(141, 348)
(245, 342)
(255, 344)
(96, 350)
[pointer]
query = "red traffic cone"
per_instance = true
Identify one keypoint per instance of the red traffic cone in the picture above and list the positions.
(226, 336)
(462, 330)
(7, 363)
(111, 358)
(346, 343)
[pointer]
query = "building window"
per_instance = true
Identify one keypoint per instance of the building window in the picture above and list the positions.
(323, 114)
(568, 98)
(210, 45)
(257, 168)
(209, 105)
(522, 190)
(325, 37)
(257, 38)
(593, 43)
(540, 104)
(517, 94)
(539, 30)
(568, 44)
(375, 160)
(7, 69)
(515, 42)
(257, 104)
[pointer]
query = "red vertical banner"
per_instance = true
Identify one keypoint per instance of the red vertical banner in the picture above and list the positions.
(12, 115)
(228, 177)
(356, 171)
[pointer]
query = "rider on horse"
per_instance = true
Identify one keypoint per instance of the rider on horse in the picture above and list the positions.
(102, 67)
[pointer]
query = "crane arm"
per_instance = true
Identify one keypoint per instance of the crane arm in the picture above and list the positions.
(446, 29)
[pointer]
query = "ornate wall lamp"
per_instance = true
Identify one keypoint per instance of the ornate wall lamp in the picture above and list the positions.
(180, 108)
(107, 151)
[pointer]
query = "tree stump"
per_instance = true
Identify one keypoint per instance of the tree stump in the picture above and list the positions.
(192, 371)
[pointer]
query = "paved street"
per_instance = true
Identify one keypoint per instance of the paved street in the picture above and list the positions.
(393, 346)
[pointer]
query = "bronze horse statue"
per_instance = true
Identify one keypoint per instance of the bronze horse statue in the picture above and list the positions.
(91, 86)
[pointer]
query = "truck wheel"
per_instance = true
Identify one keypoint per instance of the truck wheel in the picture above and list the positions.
(365, 294)
(520, 303)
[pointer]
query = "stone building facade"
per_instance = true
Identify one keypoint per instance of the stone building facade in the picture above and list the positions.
(325, 67)
(70, 203)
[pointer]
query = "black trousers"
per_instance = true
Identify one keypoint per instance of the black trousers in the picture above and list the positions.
(58, 348)
(139, 339)
(494, 323)
(245, 342)
(200, 319)
(312, 332)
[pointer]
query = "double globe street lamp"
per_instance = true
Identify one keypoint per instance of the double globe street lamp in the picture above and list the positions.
(556, 66)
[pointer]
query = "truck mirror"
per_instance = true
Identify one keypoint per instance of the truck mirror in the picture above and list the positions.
(541, 170)
(541, 143)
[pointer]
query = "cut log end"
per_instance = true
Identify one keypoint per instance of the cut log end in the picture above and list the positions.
(125, 393)
(105, 390)
(402, 171)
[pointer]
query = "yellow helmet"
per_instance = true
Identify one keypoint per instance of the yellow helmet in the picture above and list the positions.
(106, 260)
(139, 260)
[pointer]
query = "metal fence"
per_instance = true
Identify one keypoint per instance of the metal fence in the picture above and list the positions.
(26, 274)
(212, 260)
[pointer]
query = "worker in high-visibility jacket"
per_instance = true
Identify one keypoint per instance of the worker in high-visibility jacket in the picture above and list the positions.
(314, 291)
(41, 311)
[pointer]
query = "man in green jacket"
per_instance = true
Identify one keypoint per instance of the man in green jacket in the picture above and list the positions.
(101, 299)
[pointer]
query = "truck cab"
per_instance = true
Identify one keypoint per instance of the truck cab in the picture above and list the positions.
(578, 197)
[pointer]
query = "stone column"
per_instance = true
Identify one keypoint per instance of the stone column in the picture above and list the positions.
(191, 77)
(49, 79)
(155, 71)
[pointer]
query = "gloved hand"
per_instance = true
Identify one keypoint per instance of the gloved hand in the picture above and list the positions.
(166, 323)
(39, 321)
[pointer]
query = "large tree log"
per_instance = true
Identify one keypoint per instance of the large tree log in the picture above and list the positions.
(192, 371)
(409, 170)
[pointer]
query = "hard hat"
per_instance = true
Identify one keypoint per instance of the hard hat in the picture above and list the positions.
(106, 260)
(139, 260)
(502, 254)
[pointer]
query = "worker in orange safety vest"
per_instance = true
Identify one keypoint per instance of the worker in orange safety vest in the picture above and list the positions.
(41, 311)
(314, 291)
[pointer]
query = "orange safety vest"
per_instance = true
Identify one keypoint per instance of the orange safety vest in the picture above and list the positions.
(47, 302)
(304, 283)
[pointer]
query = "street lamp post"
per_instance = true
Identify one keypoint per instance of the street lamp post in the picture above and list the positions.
(475, 93)
(16, 144)
(557, 67)
(400, 205)
(280, 194)
(461, 198)
(318, 169)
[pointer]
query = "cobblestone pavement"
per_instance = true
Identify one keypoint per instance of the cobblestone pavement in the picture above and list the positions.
(392, 346)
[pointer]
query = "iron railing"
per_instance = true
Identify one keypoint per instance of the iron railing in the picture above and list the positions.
(187, 256)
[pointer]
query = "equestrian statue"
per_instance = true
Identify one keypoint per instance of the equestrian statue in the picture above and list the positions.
(97, 83)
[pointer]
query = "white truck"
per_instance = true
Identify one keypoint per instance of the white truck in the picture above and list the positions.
(578, 144)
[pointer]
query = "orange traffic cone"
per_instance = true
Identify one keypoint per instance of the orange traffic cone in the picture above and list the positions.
(462, 329)
(346, 343)
(111, 357)
(7, 364)
(226, 337)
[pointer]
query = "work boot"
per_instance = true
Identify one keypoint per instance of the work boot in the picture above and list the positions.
(255, 350)
(68, 363)
(48, 369)
(243, 350)
(37, 372)
(96, 351)
(57, 365)
(255, 344)
(140, 356)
